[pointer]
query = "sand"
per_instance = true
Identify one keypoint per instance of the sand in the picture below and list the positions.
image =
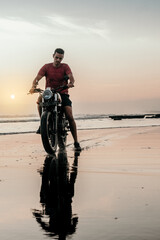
(116, 185)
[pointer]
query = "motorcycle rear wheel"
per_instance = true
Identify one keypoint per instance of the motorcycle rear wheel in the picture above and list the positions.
(49, 132)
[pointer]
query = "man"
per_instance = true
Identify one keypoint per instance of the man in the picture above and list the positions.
(56, 74)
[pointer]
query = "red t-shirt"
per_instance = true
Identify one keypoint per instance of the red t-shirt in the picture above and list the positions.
(55, 76)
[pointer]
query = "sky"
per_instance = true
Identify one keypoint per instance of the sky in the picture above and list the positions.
(112, 47)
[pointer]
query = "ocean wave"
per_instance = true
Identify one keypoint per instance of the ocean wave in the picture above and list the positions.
(35, 118)
(14, 133)
(30, 124)
(18, 120)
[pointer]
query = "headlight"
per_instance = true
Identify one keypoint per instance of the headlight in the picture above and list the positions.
(47, 94)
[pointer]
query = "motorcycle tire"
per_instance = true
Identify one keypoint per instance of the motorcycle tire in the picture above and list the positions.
(49, 132)
(62, 132)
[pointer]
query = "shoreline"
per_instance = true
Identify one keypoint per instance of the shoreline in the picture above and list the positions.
(116, 186)
(30, 143)
(84, 129)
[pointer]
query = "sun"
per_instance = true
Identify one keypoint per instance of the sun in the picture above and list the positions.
(12, 96)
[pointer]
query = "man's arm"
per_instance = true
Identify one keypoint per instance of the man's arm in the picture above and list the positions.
(71, 80)
(35, 83)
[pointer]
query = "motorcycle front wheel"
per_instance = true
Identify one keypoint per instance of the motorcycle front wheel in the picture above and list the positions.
(62, 131)
(49, 132)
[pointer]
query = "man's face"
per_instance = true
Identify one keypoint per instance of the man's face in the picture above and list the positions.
(57, 58)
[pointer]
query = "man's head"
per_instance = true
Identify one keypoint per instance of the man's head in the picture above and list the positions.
(58, 56)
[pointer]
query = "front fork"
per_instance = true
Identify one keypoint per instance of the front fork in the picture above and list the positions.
(55, 115)
(54, 112)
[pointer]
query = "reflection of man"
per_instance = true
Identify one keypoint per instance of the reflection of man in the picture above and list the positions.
(57, 74)
(57, 191)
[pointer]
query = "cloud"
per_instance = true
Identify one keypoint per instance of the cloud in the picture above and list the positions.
(53, 26)
(71, 27)
(19, 26)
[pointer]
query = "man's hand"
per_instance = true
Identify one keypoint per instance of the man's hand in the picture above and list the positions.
(34, 84)
(70, 85)
(32, 90)
(71, 81)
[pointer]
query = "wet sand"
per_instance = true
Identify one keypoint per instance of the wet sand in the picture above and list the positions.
(114, 186)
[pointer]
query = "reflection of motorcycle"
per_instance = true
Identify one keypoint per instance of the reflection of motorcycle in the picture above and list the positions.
(54, 125)
(57, 191)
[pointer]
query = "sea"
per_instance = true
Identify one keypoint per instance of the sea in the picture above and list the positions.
(30, 123)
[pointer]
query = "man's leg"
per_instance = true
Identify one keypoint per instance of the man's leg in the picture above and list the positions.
(39, 100)
(72, 124)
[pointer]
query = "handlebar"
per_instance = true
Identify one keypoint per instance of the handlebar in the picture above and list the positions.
(63, 87)
(39, 90)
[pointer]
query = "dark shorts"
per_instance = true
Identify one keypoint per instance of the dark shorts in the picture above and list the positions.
(65, 100)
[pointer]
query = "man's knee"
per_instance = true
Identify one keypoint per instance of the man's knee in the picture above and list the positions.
(68, 112)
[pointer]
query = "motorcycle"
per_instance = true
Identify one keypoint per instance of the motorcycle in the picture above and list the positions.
(53, 124)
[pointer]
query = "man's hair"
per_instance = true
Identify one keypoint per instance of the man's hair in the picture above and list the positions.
(58, 50)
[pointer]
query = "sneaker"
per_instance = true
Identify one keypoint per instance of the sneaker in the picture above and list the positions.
(77, 146)
(39, 130)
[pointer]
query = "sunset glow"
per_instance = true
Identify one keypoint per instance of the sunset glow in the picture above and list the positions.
(113, 53)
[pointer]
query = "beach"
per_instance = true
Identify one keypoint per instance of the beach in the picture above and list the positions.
(115, 184)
